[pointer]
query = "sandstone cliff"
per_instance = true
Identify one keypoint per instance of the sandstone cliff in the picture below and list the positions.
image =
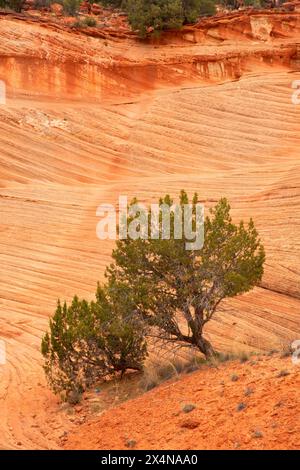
(91, 115)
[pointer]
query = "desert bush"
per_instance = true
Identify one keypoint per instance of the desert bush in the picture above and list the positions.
(177, 291)
(15, 5)
(159, 15)
(90, 341)
(78, 24)
(114, 3)
(89, 21)
(85, 23)
(285, 346)
(243, 357)
(46, 3)
(286, 353)
(71, 7)
(207, 8)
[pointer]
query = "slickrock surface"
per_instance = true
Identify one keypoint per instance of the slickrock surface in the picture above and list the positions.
(88, 119)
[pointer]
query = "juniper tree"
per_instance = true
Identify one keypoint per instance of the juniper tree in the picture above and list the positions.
(162, 15)
(88, 341)
(15, 5)
(156, 14)
(177, 291)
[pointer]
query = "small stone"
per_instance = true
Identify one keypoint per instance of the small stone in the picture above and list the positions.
(57, 9)
(283, 373)
(241, 407)
(130, 443)
(190, 424)
(188, 408)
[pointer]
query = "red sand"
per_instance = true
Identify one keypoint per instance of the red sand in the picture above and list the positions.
(156, 420)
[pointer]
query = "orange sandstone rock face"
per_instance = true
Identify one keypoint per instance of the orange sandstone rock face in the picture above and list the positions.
(57, 9)
(93, 114)
(59, 64)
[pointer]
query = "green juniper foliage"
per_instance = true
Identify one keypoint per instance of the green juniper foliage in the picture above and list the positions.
(159, 15)
(91, 341)
(15, 5)
(71, 7)
(177, 291)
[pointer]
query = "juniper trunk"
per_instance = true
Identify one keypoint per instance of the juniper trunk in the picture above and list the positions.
(202, 344)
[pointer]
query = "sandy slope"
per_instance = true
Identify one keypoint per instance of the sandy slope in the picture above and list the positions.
(188, 127)
(156, 420)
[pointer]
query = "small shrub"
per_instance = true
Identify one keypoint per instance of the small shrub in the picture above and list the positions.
(89, 21)
(95, 408)
(71, 7)
(154, 374)
(91, 341)
(285, 353)
(224, 357)
(286, 349)
(207, 7)
(158, 372)
(78, 24)
(244, 357)
(14, 5)
(272, 352)
(45, 3)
